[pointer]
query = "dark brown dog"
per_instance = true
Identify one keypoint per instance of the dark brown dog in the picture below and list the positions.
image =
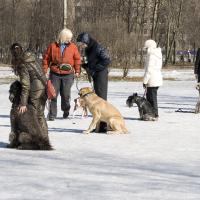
(26, 132)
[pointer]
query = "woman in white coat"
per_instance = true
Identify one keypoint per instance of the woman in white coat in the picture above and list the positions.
(153, 76)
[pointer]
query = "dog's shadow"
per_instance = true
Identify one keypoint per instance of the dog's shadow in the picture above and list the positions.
(66, 130)
(131, 118)
(3, 145)
(4, 116)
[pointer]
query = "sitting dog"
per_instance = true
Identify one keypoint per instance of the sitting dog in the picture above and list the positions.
(80, 103)
(145, 109)
(26, 132)
(197, 108)
(102, 111)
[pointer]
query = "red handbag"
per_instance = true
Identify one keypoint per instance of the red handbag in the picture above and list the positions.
(51, 92)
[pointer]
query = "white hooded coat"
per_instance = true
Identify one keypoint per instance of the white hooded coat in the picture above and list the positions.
(153, 66)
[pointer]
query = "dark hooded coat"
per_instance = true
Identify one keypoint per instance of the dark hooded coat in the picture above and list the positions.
(33, 88)
(97, 63)
(197, 65)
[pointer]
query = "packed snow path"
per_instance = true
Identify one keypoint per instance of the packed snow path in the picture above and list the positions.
(156, 161)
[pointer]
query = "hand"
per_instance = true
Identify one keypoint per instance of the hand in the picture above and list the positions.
(22, 109)
(77, 75)
(144, 86)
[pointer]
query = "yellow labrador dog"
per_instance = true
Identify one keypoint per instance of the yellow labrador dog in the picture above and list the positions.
(101, 110)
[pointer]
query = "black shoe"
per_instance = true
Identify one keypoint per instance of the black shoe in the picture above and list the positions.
(65, 115)
(50, 118)
(103, 127)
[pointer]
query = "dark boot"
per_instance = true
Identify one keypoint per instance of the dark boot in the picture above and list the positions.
(103, 127)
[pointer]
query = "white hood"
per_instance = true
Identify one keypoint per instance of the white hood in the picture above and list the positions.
(155, 51)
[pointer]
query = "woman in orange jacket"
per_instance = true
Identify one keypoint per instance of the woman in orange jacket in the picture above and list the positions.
(63, 59)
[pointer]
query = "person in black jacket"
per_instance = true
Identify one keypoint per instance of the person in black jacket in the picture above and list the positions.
(197, 66)
(95, 61)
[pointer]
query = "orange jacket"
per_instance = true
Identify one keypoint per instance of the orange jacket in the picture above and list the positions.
(52, 58)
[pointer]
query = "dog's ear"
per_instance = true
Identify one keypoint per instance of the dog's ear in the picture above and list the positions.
(135, 94)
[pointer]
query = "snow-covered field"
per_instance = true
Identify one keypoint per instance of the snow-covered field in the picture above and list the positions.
(179, 74)
(156, 161)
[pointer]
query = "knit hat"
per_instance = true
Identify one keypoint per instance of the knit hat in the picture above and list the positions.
(83, 38)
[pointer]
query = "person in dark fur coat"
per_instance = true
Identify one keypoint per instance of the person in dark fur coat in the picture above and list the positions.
(32, 79)
(96, 65)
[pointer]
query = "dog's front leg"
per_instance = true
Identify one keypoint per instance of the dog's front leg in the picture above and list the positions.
(141, 113)
(93, 125)
(74, 112)
(97, 127)
(84, 112)
(13, 139)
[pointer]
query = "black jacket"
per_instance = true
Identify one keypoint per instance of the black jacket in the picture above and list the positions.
(197, 63)
(97, 56)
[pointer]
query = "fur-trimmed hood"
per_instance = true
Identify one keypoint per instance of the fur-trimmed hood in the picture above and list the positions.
(29, 57)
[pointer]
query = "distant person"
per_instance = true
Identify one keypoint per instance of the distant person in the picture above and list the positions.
(152, 77)
(181, 57)
(197, 66)
(189, 56)
(63, 59)
(96, 65)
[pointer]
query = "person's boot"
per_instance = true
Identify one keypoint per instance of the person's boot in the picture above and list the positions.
(103, 127)
(65, 115)
(50, 118)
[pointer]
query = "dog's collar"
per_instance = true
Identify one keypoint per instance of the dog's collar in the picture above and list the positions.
(88, 94)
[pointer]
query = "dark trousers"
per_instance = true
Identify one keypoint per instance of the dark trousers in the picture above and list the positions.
(62, 85)
(152, 98)
(100, 80)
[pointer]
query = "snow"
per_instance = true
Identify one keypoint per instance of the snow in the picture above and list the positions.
(157, 160)
(178, 74)
(6, 72)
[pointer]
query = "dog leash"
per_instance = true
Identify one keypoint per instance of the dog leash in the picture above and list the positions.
(145, 92)
(77, 83)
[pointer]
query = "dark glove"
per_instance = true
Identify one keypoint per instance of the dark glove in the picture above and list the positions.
(144, 86)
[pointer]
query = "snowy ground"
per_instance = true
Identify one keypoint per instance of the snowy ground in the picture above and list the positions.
(179, 74)
(156, 161)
